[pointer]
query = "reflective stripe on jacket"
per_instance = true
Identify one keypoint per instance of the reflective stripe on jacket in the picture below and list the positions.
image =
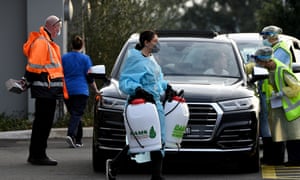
(291, 106)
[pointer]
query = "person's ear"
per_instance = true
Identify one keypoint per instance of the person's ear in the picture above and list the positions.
(146, 43)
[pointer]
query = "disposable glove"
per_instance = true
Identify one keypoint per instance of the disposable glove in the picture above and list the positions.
(141, 93)
(170, 93)
(249, 67)
(278, 94)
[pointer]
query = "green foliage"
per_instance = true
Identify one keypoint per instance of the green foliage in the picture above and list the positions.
(62, 122)
(282, 15)
(222, 16)
(107, 24)
(87, 120)
(8, 123)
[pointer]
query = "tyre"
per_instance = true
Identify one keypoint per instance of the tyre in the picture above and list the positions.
(98, 159)
(251, 164)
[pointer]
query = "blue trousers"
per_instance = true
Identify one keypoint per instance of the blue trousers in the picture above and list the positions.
(76, 105)
(263, 113)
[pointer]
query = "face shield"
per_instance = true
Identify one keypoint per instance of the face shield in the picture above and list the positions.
(267, 34)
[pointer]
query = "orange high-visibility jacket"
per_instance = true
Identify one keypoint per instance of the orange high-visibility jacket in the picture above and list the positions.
(44, 57)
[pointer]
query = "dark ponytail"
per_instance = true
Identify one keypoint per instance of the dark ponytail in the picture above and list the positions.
(138, 46)
(77, 42)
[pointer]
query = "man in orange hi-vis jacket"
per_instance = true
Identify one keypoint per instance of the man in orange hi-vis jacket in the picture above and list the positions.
(44, 75)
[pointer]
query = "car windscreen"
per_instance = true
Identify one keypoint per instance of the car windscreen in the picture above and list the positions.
(196, 61)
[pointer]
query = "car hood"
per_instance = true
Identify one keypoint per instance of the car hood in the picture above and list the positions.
(194, 92)
(213, 93)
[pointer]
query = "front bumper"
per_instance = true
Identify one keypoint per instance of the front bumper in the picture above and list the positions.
(208, 130)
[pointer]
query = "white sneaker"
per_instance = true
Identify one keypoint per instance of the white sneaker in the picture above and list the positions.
(109, 172)
(79, 145)
(70, 141)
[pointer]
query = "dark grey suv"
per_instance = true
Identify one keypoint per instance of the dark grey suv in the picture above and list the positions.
(222, 103)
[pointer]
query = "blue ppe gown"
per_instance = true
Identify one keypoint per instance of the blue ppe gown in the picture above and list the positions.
(144, 72)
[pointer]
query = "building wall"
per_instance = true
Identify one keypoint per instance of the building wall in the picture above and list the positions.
(18, 19)
(13, 34)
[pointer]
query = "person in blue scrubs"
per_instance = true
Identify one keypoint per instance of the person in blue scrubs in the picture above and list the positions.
(76, 66)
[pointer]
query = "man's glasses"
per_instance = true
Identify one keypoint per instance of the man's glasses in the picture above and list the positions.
(56, 22)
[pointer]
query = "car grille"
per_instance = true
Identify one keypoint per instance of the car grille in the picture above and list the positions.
(208, 128)
(111, 129)
(238, 130)
(202, 122)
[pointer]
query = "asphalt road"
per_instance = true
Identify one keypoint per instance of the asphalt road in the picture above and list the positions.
(76, 164)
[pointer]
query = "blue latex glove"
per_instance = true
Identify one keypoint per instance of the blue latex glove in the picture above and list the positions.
(278, 94)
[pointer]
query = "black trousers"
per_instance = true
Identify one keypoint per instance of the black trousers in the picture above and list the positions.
(41, 127)
(273, 152)
(76, 105)
(293, 150)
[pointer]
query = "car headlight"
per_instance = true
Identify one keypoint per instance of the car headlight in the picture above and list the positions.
(239, 104)
(112, 103)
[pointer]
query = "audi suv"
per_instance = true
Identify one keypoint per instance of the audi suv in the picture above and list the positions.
(223, 107)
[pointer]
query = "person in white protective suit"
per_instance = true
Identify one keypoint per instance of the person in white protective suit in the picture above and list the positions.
(141, 77)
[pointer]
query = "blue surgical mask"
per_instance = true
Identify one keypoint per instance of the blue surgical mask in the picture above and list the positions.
(156, 48)
(58, 33)
(267, 43)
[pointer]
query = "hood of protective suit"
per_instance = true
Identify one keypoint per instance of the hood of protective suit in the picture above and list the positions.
(140, 71)
(32, 37)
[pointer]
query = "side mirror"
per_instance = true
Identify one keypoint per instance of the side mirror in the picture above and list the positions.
(97, 72)
(259, 73)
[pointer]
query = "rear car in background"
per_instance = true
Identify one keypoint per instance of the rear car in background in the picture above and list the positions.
(248, 43)
(223, 106)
